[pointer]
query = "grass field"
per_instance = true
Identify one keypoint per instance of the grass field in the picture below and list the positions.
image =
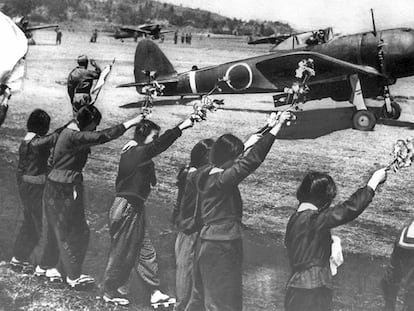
(269, 194)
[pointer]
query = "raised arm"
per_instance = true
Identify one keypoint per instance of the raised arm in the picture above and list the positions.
(354, 206)
(90, 138)
(97, 71)
(256, 155)
(163, 142)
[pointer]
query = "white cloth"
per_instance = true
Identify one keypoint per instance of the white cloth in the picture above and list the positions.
(337, 257)
(29, 136)
(406, 237)
(13, 49)
(129, 145)
(306, 206)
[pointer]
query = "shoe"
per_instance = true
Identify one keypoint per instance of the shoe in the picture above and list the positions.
(82, 281)
(116, 298)
(54, 275)
(21, 266)
(39, 272)
(158, 299)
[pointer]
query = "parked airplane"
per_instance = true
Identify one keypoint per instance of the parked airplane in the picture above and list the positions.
(153, 31)
(350, 68)
(23, 24)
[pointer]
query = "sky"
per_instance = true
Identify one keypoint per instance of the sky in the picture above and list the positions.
(345, 16)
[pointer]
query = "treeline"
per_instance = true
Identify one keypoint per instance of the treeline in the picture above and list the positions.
(134, 12)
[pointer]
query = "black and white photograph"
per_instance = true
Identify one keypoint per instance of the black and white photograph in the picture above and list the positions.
(189, 155)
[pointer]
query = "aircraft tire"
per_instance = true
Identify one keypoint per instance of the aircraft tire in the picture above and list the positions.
(364, 120)
(394, 114)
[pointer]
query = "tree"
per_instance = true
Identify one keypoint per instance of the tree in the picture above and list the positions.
(20, 7)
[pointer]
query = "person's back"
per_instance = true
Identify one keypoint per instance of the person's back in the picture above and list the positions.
(80, 80)
(136, 172)
(309, 242)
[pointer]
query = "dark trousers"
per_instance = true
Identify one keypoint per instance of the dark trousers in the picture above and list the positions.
(130, 246)
(65, 231)
(184, 255)
(315, 299)
(30, 230)
(217, 277)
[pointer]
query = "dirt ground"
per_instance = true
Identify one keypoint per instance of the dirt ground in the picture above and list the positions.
(269, 194)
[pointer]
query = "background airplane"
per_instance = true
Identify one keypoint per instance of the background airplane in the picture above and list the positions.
(296, 40)
(23, 24)
(153, 31)
(350, 68)
(274, 39)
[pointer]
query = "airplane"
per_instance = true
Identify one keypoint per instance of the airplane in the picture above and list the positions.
(296, 40)
(352, 67)
(274, 39)
(23, 24)
(152, 30)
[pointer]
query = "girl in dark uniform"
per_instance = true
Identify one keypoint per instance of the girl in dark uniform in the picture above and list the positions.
(309, 242)
(65, 230)
(183, 217)
(218, 260)
(34, 152)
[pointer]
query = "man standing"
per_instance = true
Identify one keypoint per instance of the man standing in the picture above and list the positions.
(175, 37)
(94, 36)
(58, 35)
(80, 82)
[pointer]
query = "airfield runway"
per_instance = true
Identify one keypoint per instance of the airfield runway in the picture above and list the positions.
(269, 194)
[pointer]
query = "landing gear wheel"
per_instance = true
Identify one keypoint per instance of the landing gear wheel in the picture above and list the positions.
(364, 120)
(395, 111)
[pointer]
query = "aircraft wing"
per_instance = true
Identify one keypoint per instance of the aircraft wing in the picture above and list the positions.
(32, 28)
(166, 31)
(160, 81)
(270, 39)
(281, 68)
(131, 29)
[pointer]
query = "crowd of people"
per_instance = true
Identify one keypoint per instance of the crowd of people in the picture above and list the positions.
(185, 37)
(207, 215)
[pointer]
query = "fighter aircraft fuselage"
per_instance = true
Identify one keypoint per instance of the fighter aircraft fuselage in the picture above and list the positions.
(363, 49)
(151, 30)
(247, 76)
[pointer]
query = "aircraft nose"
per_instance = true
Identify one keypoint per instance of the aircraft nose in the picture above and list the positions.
(399, 52)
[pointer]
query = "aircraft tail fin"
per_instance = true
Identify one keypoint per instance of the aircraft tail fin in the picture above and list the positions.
(149, 58)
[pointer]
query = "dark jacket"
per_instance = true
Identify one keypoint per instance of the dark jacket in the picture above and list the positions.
(136, 171)
(72, 149)
(80, 80)
(220, 201)
(183, 214)
(33, 157)
(308, 237)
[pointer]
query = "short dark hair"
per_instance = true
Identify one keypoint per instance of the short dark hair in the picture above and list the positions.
(226, 148)
(201, 152)
(38, 122)
(83, 60)
(318, 189)
(86, 115)
(143, 129)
